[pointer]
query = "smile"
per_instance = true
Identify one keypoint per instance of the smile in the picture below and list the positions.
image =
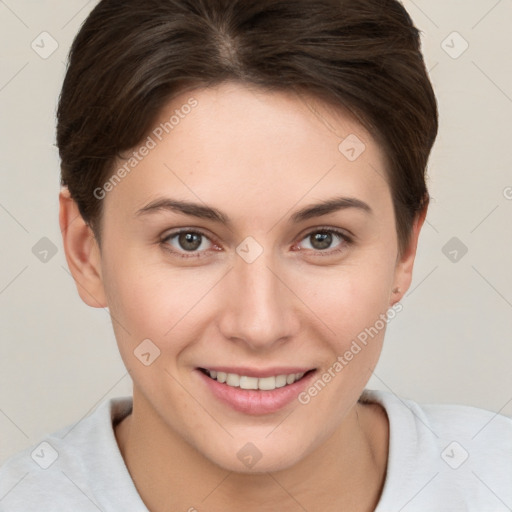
(245, 382)
(255, 391)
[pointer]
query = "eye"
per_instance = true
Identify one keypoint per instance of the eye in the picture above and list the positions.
(326, 240)
(187, 241)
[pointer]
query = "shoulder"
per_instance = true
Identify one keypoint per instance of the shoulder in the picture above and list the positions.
(70, 469)
(441, 454)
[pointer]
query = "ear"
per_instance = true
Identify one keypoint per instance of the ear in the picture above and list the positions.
(405, 263)
(82, 252)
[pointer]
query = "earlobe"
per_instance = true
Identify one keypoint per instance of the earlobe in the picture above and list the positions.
(405, 264)
(82, 252)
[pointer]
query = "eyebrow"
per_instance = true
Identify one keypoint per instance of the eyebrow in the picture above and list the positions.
(207, 212)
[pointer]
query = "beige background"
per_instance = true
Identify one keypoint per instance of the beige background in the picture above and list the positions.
(451, 343)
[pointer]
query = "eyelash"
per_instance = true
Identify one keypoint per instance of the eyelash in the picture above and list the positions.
(345, 241)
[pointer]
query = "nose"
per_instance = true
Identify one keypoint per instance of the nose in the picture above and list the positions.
(260, 309)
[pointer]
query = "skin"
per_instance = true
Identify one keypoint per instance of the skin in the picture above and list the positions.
(258, 157)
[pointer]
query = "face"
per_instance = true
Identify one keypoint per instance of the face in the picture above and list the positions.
(213, 253)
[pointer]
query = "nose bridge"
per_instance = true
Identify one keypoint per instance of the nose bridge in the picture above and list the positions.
(259, 310)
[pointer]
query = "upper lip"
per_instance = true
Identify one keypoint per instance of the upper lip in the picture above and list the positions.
(259, 372)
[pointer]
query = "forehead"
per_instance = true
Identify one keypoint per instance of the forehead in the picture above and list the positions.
(246, 147)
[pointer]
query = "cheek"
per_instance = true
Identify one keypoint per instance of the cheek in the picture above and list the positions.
(350, 299)
(353, 307)
(156, 302)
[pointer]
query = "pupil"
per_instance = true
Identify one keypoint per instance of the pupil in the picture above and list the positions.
(321, 240)
(189, 241)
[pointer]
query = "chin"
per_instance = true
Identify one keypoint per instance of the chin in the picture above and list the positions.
(241, 455)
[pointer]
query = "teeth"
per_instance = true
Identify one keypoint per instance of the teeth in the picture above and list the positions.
(266, 383)
(263, 383)
(233, 379)
(249, 382)
(280, 381)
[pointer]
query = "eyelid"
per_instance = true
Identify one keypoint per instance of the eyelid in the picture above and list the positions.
(173, 232)
(345, 233)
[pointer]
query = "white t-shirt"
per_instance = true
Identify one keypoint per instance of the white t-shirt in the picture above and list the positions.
(441, 458)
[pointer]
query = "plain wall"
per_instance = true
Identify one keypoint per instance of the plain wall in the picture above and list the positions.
(450, 344)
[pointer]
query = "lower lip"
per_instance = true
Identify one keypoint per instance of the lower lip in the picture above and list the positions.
(251, 401)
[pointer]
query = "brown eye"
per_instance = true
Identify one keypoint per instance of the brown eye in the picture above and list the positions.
(325, 240)
(187, 241)
(321, 241)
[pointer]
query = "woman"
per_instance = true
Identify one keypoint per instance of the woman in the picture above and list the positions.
(244, 188)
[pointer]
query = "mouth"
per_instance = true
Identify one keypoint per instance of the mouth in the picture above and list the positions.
(251, 382)
(255, 392)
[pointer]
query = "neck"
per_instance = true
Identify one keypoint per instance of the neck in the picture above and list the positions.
(170, 474)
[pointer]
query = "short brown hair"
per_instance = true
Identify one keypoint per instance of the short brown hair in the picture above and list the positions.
(132, 56)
